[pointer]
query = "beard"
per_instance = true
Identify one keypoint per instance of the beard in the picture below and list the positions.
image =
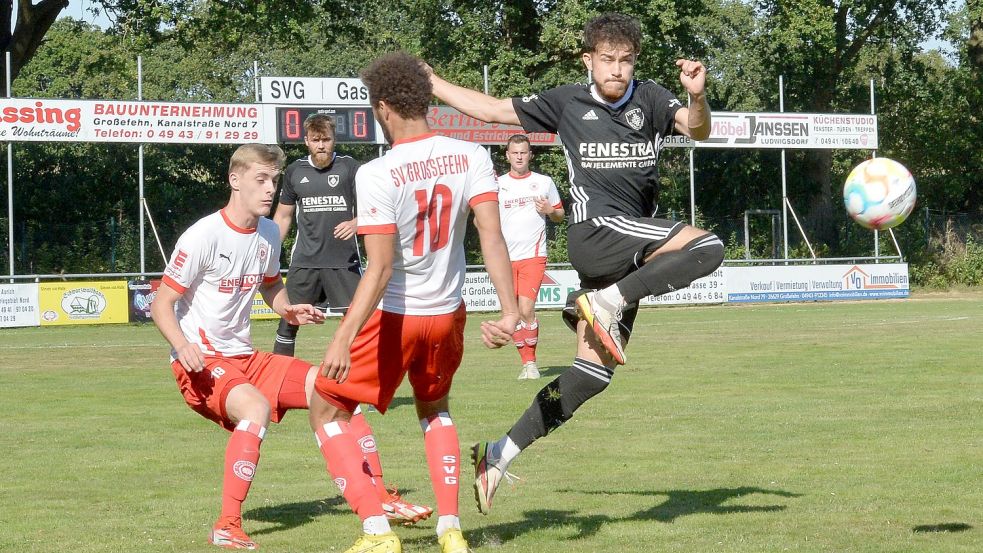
(321, 160)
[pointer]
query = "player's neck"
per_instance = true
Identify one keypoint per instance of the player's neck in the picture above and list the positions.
(519, 174)
(402, 130)
(239, 216)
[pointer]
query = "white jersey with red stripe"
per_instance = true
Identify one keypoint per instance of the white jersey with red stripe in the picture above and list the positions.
(524, 228)
(218, 267)
(422, 191)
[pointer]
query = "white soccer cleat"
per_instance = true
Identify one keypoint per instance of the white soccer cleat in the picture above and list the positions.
(487, 475)
(529, 371)
(605, 324)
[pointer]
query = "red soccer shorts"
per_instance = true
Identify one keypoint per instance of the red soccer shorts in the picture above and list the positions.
(527, 276)
(390, 345)
(275, 376)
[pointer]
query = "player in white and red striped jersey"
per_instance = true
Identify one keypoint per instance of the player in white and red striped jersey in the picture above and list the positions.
(525, 200)
(407, 316)
(202, 308)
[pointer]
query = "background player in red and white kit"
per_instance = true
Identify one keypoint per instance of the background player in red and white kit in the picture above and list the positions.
(407, 315)
(202, 309)
(612, 130)
(525, 199)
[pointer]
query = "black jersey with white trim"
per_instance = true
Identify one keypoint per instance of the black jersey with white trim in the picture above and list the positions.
(612, 150)
(323, 198)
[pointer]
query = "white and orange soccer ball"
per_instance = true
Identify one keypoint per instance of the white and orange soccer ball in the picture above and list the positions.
(879, 193)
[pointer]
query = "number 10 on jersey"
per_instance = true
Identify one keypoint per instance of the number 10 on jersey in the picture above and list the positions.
(433, 216)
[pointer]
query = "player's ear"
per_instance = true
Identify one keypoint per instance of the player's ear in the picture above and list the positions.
(234, 181)
(586, 57)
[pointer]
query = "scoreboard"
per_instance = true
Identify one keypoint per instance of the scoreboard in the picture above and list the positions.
(352, 124)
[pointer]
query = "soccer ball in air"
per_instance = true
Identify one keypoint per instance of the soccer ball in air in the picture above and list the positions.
(879, 193)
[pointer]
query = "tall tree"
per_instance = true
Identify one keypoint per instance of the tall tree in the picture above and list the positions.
(33, 22)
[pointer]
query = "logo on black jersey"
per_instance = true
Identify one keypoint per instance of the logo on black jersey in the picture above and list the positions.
(590, 116)
(530, 98)
(305, 179)
(635, 118)
(333, 180)
(675, 102)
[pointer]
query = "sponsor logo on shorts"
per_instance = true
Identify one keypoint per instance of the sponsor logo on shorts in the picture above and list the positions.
(341, 483)
(244, 470)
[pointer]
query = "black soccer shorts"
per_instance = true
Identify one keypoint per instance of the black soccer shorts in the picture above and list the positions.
(327, 288)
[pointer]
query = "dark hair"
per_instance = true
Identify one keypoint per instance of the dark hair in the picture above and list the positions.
(401, 81)
(319, 123)
(517, 139)
(612, 28)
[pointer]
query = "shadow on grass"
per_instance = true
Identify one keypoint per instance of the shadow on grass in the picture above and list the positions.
(678, 503)
(943, 527)
(292, 515)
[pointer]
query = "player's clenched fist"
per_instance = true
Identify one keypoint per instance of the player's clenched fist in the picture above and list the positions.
(337, 361)
(692, 75)
(190, 357)
(496, 334)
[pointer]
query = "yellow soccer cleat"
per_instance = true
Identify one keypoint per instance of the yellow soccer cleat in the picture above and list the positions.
(377, 543)
(453, 542)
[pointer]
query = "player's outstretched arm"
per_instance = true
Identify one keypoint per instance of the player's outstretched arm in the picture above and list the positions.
(379, 252)
(471, 102)
(693, 121)
(496, 334)
(162, 311)
(275, 295)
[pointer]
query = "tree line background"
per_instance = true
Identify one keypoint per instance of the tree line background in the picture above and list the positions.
(76, 205)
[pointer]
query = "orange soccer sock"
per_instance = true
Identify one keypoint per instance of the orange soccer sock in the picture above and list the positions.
(444, 459)
(241, 456)
(531, 338)
(345, 463)
(366, 440)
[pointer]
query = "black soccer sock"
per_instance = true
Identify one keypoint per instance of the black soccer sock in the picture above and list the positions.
(556, 403)
(674, 270)
(286, 338)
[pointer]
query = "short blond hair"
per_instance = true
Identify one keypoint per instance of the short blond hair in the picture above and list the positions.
(268, 154)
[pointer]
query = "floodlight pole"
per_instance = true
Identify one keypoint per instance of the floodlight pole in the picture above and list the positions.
(10, 188)
(143, 252)
(873, 154)
(781, 108)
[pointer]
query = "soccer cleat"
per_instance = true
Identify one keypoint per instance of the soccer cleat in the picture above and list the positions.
(605, 325)
(529, 371)
(487, 475)
(228, 533)
(453, 542)
(377, 543)
(403, 512)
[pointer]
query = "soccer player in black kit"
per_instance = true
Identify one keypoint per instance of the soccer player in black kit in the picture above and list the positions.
(319, 190)
(612, 130)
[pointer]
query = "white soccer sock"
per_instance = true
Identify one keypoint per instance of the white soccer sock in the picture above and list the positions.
(447, 522)
(376, 525)
(610, 298)
(506, 451)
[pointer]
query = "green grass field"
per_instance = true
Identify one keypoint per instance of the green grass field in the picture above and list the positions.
(835, 427)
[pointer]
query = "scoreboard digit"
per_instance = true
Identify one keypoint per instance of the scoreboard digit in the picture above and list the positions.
(352, 124)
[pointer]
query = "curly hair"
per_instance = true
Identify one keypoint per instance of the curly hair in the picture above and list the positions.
(612, 28)
(319, 123)
(402, 82)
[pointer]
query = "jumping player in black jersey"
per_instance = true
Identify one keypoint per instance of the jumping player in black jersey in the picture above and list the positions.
(612, 130)
(319, 191)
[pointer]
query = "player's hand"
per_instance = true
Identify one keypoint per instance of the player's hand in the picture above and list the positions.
(345, 230)
(496, 334)
(544, 207)
(302, 314)
(191, 357)
(426, 68)
(693, 76)
(337, 361)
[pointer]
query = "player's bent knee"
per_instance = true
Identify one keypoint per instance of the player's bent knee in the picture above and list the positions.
(245, 402)
(708, 250)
